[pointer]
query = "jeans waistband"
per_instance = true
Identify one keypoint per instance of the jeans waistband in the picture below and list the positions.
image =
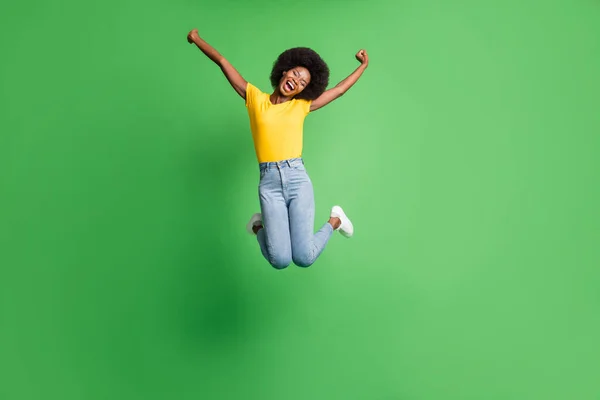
(291, 163)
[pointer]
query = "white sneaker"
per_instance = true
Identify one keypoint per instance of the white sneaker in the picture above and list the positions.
(256, 220)
(345, 227)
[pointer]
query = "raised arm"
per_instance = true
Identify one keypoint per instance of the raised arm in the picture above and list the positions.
(330, 95)
(235, 79)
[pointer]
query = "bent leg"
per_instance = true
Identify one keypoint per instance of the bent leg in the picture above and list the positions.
(306, 245)
(274, 237)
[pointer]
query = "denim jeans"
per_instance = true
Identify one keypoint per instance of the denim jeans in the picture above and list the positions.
(288, 209)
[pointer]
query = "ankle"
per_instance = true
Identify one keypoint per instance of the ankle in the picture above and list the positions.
(335, 222)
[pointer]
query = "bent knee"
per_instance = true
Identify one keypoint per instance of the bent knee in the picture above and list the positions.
(280, 262)
(303, 261)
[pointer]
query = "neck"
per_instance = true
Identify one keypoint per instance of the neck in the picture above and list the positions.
(278, 98)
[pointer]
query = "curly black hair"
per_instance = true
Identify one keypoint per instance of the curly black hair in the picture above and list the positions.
(309, 59)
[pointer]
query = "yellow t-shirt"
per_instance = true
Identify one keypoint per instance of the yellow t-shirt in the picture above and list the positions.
(276, 128)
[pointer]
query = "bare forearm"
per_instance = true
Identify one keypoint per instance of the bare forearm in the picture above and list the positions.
(233, 76)
(338, 90)
(208, 50)
(347, 83)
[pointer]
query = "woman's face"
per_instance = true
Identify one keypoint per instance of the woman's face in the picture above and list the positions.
(294, 81)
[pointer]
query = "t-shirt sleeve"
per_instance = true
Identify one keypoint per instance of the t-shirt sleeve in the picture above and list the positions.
(306, 106)
(252, 93)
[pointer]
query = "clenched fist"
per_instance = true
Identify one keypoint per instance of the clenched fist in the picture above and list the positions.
(192, 36)
(362, 57)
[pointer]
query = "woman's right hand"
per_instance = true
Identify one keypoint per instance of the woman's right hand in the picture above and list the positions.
(192, 36)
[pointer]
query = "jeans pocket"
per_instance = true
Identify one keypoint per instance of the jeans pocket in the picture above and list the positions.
(299, 167)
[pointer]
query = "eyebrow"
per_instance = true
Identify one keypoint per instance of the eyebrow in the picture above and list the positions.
(298, 74)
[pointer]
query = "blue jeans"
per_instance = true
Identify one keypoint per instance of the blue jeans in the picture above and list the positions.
(288, 210)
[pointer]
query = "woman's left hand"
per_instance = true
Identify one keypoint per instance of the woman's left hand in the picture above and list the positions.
(362, 57)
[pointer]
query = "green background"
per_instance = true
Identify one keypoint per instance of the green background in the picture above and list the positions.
(467, 157)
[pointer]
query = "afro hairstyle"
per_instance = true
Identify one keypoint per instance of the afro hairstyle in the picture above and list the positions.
(309, 59)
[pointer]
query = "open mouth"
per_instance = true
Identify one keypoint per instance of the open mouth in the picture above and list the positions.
(289, 85)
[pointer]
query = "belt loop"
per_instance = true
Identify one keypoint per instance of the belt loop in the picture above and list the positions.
(289, 163)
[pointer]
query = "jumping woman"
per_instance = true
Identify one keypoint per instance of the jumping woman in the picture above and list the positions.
(285, 226)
